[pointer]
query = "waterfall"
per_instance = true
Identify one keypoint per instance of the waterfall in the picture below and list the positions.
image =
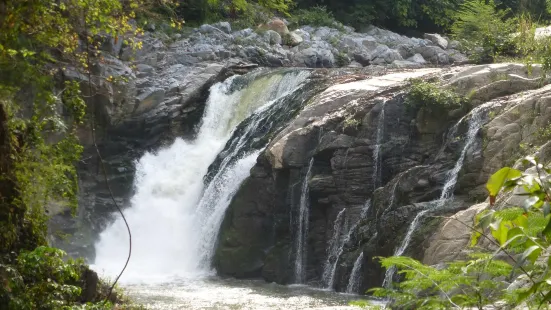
(377, 150)
(355, 276)
(301, 236)
(173, 211)
(475, 123)
(335, 252)
(335, 244)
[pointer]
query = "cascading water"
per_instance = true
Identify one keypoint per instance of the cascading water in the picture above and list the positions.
(475, 123)
(355, 276)
(377, 150)
(172, 214)
(333, 253)
(331, 264)
(301, 235)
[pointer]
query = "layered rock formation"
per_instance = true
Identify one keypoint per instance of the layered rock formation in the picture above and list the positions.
(384, 162)
(380, 160)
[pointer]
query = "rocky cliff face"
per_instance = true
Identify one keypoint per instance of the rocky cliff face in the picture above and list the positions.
(354, 147)
(362, 150)
(143, 99)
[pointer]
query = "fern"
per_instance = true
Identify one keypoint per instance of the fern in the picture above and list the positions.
(468, 283)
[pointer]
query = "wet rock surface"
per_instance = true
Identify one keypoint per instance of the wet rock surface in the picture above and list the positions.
(341, 129)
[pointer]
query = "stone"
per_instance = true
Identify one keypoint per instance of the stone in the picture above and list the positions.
(433, 54)
(417, 58)
(294, 38)
(272, 37)
(149, 99)
(454, 45)
(453, 237)
(314, 58)
(276, 25)
(437, 39)
(404, 64)
(224, 26)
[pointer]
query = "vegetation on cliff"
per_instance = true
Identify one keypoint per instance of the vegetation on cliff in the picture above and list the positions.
(509, 262)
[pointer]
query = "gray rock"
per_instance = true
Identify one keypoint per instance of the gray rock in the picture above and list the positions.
(224, 26)
(272, 37)
(404, 64)
(314, 58)
(437, 39)
(455, 45)
(295, 38)
(434, 54)
(149, 100)
(417, 58)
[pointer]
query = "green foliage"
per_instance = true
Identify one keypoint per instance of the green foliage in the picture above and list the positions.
(471, 283)
(483, 30)
(432, 97)
(316, 16)
(522, 236)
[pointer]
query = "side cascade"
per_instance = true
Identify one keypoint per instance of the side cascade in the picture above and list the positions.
(179, 202)
(354, 282)
(333, 250)
(475, 121)
(377, 165)
(302, 223)
(331, 264)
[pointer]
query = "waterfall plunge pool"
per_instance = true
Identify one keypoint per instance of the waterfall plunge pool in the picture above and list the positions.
(222, 294)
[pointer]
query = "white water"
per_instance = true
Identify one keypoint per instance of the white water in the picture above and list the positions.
(475, 123)
(333, 253)
(377, 150)
(302, 228)
(331, 264)
(171, 213)
(354, 281)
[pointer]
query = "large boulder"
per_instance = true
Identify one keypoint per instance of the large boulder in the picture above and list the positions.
(437, 39)
(276, 25)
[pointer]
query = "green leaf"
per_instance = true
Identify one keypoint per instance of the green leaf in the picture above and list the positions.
(547, 230)
(498, 179)
(532, 253)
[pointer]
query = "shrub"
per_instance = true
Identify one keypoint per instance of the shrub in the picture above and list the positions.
(431, 96)
(316, 16)
(483, 30)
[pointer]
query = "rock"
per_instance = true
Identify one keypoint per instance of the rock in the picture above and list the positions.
(272, 37)
(403, 64)
(434, 54)
(294, 38)
(454, 45)
(437, 39)
(456, 57)
(224, 26)
(276, 25)
(90, 286)
(385, 55)
(144, 70)
(314, 58)
(406, 51)
(417, 58)
(149, 99)
(448, 243)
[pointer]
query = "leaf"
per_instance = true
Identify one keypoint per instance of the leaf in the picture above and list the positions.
(547, 230)
(532, 253)
(498, 179)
